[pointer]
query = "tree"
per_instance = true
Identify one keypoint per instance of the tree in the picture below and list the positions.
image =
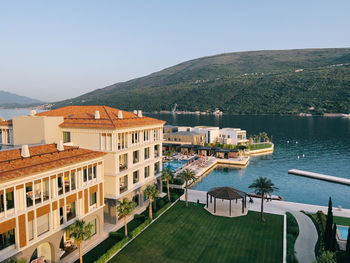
(263, 186)
(326, 257)
(79, 231)
(329, 224)
(168, 176)
(187, 175)
(124, 209)
(333, 242)
(151, 192)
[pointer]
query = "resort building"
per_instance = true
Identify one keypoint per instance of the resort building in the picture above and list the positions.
(211, 133)
(44, 189)
(185, 137)
(132, 143)
(232, 136)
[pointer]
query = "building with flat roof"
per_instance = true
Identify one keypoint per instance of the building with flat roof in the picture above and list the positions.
(44, 189)
(185, 137)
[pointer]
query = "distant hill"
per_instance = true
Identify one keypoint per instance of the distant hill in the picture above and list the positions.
(254, 82)
(8, 99)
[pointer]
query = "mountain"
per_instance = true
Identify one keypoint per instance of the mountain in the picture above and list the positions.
(8, 99)
(254, 82)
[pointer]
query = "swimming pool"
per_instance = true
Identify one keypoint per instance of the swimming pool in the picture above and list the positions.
(343, 231)
(174, 164)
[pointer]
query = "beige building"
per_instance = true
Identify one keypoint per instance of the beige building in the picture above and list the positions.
(132, 143)
(44, 189)
(185, 137)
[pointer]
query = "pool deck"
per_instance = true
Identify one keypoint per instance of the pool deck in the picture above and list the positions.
(204, 167)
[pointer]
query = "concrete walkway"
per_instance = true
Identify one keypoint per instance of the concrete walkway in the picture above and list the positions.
(307, 239)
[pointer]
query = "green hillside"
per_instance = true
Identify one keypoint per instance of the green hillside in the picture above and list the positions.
(257, 82)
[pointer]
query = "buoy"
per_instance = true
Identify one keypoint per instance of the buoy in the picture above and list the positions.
(296, 142)
(303, 155)
(287, 141)
(298, 157)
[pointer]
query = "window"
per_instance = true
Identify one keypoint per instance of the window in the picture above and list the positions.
(7, 239)
(46, 189)
(146, 171)
(29, 194)
(136, 199)
(93, 227)
(66, 182)
(135, 155)
(123, 184)
(43, 224)
(2, 203)
(90, 173)
(71, 211)
(156, 151)
(146, 135)
(135, 177)
(60, 185)
(156, 168)
(135, 137)
(66, 137)
(146, 153)
(72, 180)
(61, 216)
(123, 162)
(85, 175)
(93, 199)
(31, 230)
(37, 192)
(94, 170)
(9, 200)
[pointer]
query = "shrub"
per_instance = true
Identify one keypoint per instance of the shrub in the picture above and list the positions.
(292, 234)
(160, 204)
(174, 197)
(117, 236)
(161, 210)
(140, 217)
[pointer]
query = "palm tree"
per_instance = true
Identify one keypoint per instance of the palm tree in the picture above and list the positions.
(265, 137)
(79, 231)
(187, 175)
(264, 186)
(151, 192)
(168, 176)
(124, 209)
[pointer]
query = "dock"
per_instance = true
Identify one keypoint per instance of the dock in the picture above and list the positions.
(329, 178)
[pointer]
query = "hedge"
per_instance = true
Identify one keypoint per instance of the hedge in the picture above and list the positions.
(112, 250)
(162, 210)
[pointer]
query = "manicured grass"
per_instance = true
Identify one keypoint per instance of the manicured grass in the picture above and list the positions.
(344, 221)
(292, 234)
(194, 235)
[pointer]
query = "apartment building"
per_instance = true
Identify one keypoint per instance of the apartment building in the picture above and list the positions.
(232, 136)
(44, 189)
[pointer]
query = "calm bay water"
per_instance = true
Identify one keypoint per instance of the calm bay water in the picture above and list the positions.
(325, 143)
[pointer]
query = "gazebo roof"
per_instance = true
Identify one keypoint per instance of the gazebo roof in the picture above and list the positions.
(227, 193)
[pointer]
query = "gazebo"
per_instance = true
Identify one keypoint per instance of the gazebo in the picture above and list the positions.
(227, 193)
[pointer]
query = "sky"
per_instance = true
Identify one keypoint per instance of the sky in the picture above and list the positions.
(55, 50)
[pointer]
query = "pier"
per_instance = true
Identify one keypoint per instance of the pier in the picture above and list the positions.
(329, 178)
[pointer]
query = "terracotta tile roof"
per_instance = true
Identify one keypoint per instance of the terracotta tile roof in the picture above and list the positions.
(6, 123)
(84, 117)
(43, 158)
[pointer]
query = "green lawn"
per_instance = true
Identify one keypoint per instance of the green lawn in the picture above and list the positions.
(260, 146)
(343, 221)
(194, 235)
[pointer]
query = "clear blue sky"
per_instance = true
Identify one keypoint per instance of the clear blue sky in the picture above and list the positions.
(53, 50)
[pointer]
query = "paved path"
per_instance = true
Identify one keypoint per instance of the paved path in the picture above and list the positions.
(307, 239)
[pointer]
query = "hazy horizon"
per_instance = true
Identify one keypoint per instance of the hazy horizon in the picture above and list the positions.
(54, 50)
